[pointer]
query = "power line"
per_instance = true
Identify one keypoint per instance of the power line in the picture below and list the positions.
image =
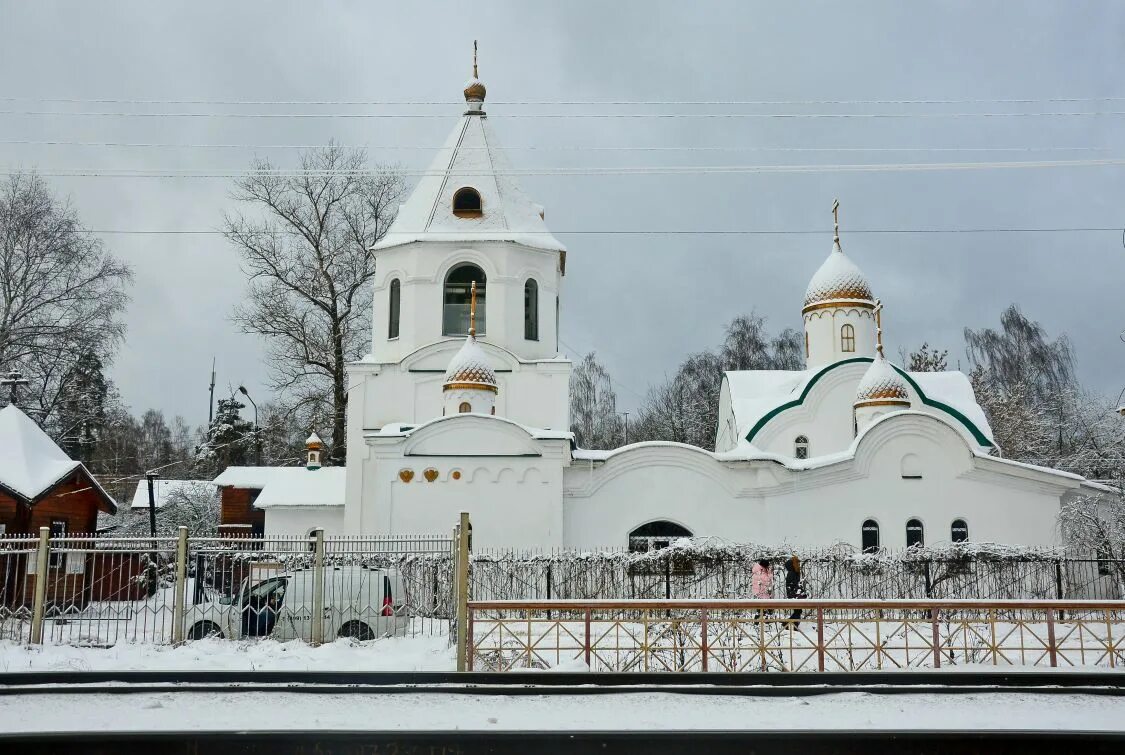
(210, 173)
(785, 116)
(550, 148)
(678, 232)
(747, 103)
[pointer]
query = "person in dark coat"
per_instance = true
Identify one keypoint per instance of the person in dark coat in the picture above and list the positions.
(795, 587)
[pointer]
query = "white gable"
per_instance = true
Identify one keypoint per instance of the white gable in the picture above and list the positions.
(30, 462)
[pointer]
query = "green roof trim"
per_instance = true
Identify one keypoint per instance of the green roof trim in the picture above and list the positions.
(972, 428)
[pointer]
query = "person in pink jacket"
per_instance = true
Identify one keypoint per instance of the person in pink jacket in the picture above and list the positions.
(761, 580)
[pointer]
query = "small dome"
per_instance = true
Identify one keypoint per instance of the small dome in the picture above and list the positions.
(474, 90)
(469, 368)
(838, 279)
(882, 384)
(314, 441)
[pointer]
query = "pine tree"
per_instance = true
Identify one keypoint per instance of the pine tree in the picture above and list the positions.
(228, 441)
(82, 408)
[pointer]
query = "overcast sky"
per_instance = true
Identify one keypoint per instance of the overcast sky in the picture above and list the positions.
(641, 302)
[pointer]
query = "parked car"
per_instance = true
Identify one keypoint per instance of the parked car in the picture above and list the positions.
(359, 602)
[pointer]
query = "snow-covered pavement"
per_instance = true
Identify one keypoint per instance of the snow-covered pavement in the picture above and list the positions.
(619, 712)
(427, 653)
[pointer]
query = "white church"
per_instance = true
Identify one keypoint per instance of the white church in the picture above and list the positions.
(462, 405)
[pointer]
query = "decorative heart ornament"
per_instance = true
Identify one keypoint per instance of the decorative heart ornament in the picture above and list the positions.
(406, 475)
(430, 475)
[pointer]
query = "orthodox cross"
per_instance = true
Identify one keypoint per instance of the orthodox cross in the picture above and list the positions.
(836, 219)
(879, 326)
(473, 310)
(475, 59)
(14, 380)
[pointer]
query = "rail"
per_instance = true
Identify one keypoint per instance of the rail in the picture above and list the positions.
(793, 635)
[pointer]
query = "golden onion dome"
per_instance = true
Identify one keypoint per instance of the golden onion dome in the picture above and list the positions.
(838, 280)
(474, 90)
(469, 368)
(882, 384)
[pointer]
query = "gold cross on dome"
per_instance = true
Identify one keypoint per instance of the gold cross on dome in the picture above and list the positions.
(879, 326)
(836, 218)
(475, 59)
(473, 309)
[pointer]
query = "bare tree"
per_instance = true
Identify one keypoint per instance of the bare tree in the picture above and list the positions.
(310, 273)
(593, 406)
(61, 294)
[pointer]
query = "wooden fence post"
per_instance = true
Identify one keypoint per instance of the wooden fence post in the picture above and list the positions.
(42, 558)
(180, 587)
(703, 639)
(937, 639)
(316, 621)
(463, 638)
(820, 638)
(1051, 649)
(587, 647)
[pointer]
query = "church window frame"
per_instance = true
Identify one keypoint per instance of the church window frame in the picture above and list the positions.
(915, 533)
(467, 203)
(531, 310)
(394, 309)
(869, 536)
(655, 535)
(847, 338)
(801, 447)
(464, 408)
(959, 531)
(456, 293)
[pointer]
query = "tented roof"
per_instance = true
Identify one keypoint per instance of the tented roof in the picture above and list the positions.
(470, 158)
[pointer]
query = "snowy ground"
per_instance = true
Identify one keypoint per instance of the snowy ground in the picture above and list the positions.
(621, 711)
(428, 653)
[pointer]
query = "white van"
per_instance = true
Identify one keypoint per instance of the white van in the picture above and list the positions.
(359, 602)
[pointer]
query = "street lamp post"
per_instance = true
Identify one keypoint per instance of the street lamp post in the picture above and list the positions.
(257, 433)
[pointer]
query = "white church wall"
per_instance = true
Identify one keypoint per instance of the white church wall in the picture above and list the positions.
(302, 520)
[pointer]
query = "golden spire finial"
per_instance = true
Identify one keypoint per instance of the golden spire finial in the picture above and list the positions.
(473, 310)
(879, 326)
(475, 60)
(836, 220)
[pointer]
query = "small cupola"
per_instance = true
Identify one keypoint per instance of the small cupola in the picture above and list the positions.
(314, 446)
(882, 389)
(474, 88)
(470, 384)
(838, 307)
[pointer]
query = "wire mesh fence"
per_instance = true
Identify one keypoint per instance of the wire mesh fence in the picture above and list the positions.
(691, 570)
(104, 590)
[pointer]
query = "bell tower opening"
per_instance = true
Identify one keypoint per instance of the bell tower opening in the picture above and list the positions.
(455, 314)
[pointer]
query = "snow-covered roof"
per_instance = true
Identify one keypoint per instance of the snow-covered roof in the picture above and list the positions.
(288, 486)
(401, 429)
(838, 278)
(30, 462)
(470, 158)
(163, 490)
(755, 394)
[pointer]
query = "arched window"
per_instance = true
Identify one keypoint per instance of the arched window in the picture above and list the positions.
(531, 310)
(393, 307)
(464, 408)
(869, 536)
(915, 535)
(959, 531)
(455, 315)
(656, 535)
(466, 203)
(801, 447)
(847, 338)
